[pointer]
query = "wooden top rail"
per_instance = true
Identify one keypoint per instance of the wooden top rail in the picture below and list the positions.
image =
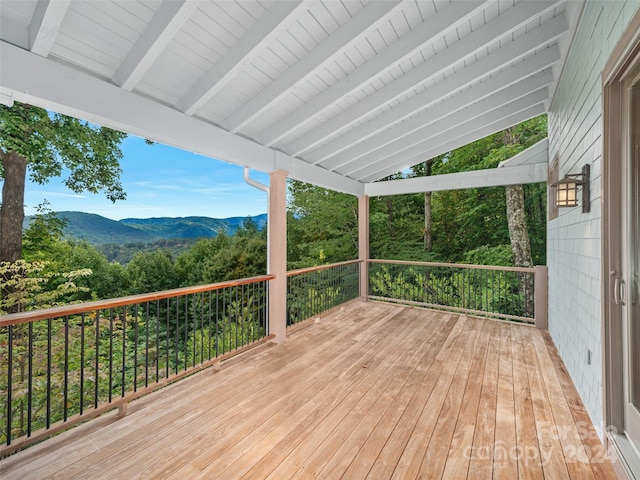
(454, 265)
(321, 267)
(77, 308)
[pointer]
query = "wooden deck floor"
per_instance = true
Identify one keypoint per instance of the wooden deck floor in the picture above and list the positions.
(370, 391)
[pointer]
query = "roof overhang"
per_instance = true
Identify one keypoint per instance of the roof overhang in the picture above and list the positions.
(338, 94)
(528, 166)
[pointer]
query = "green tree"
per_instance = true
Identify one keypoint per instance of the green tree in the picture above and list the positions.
(45, 145)
(152, 272)
(41, 239)
(322, 226)
(108, 280)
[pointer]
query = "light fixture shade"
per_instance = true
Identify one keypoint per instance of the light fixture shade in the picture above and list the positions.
(567, 189)
(566, 193)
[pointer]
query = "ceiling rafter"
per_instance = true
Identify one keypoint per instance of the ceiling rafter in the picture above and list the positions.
(517, 97)
(491, 177)
(459, 80)
(471, 134)
(482, 96)
(489, 33)
(367, 19)
(166, 22)
(46, 83)
(267, 27)
(387, 59)
(45, 25)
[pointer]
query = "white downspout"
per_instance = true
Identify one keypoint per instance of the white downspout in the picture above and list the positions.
(264, 188)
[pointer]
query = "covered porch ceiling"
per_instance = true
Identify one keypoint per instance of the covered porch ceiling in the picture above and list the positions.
(337, 93)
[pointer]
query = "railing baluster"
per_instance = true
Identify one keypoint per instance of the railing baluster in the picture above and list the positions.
(29, 378)
(96, 396)
(116, 368)
(146, 345)
(499, 292)
(9, 384)
(65, 396)
(49, 366)
(110, 354)
(124, 346)
(82, 320)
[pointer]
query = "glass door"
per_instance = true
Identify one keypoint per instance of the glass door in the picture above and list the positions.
(632, 305)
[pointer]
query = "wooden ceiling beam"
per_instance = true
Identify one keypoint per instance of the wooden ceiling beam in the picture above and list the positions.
(267, 27)
(434, 26)
(467, 134)
(491, 63)
(45, 25)
(478, 40)
(165, 23)
(357, 27)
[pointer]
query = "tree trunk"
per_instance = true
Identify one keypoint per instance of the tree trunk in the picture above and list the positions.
(518, 233)
(428, 220)
(520, 246)
(12, 208)
(390, 217)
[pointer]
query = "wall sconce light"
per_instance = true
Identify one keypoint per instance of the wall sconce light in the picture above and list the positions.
(567, 189)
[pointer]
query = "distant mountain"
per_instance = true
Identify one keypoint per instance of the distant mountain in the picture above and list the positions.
(97, 230)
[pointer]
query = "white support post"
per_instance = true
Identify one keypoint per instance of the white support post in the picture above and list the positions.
(541, 297)
(363, 244)
(278, 255)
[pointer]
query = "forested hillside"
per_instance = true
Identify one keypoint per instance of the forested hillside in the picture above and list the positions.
(463, 226)
(98, 230)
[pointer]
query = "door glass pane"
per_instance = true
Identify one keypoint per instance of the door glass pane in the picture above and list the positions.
(634, 287)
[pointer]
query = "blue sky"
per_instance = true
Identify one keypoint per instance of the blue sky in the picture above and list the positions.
(161, 181)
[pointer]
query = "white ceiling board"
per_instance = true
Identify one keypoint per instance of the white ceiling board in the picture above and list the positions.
(440, 90)
(448, 144)
(354, 89)
(357, 26)
(485, 111)
(388, 58)
(164, 25)
(106, 104)
(436, 121)
(487, 34)
(253, 42)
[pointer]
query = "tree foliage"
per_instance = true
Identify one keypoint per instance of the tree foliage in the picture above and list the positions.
(467, 225)
(43, 145)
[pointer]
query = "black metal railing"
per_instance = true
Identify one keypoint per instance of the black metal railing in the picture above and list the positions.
(311, 291)
(62, 365)
(507, 293)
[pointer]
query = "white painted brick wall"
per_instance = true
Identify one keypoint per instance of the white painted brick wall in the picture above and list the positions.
(574, 238)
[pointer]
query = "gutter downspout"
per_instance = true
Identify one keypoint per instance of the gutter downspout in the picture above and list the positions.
(264, 188)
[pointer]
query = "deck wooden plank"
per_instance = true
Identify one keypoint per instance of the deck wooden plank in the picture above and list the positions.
(553, 464)
(457, 459)
(481, 451)
(439, 405)
(360, 424)
(575, 455)
(505, 466)
(596, 452)
(236, 424)
(528, 450)
(435, 457)
(392, 451)
(370, 390)
(369, 452)
(271, 450)
(306, 443)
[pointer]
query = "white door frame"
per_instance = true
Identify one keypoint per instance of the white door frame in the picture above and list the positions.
(621, 65)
